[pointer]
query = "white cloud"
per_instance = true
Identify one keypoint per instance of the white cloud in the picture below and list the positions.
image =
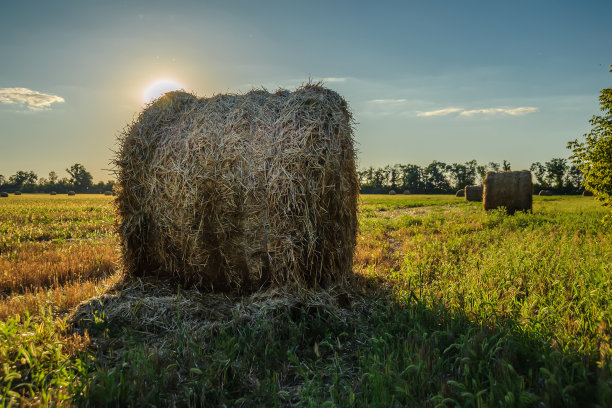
(440, 112)
(388, 100)
(33, 100)
(335, 79)
(523, 110)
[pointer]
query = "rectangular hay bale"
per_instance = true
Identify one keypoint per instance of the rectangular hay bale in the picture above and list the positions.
(473, 193)
(240, 192)
(510, 189)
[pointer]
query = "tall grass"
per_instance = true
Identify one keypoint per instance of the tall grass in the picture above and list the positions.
(465, 308)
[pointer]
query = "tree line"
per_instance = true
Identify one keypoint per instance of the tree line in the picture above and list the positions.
(79, 180)
(557, 175)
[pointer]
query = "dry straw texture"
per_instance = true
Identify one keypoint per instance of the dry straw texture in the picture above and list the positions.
(545, 193)
(473, 193)
(510, 189)
(460, 193)
(239, 192)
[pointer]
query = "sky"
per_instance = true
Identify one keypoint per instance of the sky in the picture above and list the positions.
(426, 80)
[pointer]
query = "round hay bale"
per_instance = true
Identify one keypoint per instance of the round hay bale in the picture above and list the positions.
(545, 193)
(392, 192)
(3, 194)
(53, 193)
(406, 192)
(17, 193)
(239, 192)
(510, 189)
(108, 193)
(473, 193)
(71, 193)
(587, 193)
(460, 193)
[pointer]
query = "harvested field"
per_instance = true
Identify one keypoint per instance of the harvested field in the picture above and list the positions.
(115, 340)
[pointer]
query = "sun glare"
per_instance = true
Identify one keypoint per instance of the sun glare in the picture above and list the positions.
(160, 87)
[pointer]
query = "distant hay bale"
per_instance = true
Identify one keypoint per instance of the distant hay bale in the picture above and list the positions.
(17, 193)
(587, 193)
(392, 192)
(239, 192)
(108, 193)
(71, 193)
(53, 193)
(473, 193)
(406, 192)
(510, 189)
(545, 193)
(460, 193)
(3, 194)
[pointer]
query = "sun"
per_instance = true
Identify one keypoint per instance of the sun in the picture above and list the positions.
(160, 87)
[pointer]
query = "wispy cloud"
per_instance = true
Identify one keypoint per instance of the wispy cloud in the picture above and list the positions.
(33, 100)
(388, 100)
(440, 112)
(522, 110)
(335, 79)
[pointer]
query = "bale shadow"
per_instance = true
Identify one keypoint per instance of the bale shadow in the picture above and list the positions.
(354, 344)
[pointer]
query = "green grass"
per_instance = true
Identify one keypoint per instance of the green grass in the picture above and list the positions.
(466, 308)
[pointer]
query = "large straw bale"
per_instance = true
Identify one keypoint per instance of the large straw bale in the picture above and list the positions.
(392, 192)
(587, 193)
(4, 194)
(547, 193)
(53, 193)
(407, 192)
(473, 193)
(17, 193)
(460, 193)
(71, 193)
(510, 189)
(239, 192)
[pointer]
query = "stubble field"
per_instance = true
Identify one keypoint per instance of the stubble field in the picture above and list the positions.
(449, 306)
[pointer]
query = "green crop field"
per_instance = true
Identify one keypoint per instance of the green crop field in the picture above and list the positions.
(449, 306)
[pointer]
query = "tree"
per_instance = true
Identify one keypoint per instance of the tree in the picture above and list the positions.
(539, 171)
(2, 180)
(573, 179)
(79, 177)
(481, 171)
(493, 166)
(555, 171)
(23, 179)
(593, 156)
(411, 176)
(435, 177)
(463, 174)
(506, 166)
(52, 177)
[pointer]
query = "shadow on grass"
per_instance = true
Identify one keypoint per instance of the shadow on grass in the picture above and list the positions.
(167, 347)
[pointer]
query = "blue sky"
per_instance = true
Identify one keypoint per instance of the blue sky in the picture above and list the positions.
(430, 80)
